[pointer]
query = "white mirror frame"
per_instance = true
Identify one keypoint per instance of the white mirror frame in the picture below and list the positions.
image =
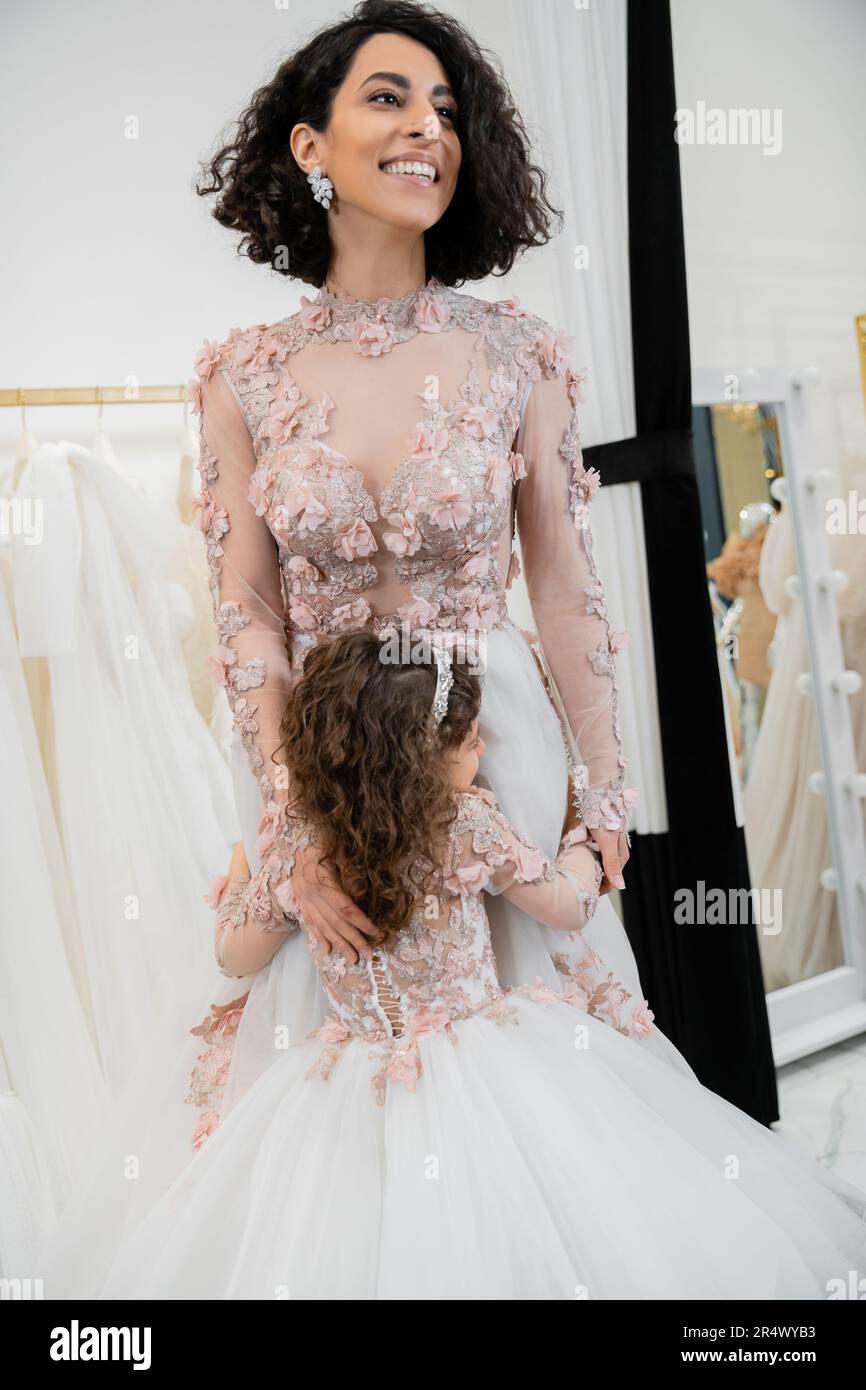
(828, 1008)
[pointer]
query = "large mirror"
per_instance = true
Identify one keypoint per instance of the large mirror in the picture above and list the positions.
(755, 577)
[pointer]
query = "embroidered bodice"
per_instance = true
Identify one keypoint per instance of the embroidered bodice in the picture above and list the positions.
(441, 964)
(367, 464)
(440, 967)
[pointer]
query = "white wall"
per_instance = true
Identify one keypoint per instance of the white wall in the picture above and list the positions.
(110, 265)
(776, 244)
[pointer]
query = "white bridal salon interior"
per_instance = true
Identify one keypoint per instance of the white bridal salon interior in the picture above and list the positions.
(111, 779)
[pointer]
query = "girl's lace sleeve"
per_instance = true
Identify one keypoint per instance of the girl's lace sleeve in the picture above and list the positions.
(564, 588)
(252, 660)
(488, 854)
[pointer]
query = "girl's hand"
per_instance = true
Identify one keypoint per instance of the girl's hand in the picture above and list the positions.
(327, 912)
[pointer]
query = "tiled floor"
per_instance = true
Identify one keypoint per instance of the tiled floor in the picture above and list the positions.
(822, 1103)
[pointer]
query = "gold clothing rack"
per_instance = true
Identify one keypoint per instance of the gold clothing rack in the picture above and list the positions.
(94, 395)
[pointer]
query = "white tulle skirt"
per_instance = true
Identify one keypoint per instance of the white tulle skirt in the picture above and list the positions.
(525, 1164)
(545, 1157)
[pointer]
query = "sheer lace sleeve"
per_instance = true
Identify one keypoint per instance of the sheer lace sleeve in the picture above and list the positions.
(489, 854)
(243, 945)
(252, 661)
(566, 593)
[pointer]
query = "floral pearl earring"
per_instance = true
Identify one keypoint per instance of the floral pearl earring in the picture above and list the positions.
(322, 187)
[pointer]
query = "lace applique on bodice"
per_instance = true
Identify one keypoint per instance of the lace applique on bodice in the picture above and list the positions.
(436, 534)
(365, 464)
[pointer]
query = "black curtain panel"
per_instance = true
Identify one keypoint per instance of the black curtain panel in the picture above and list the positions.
(704, 982)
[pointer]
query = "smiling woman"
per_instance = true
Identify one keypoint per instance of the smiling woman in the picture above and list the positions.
(364, 463)
(393, 81)
(368, 509)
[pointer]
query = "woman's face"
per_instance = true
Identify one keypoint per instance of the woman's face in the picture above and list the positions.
(394, 105)
(465, 760)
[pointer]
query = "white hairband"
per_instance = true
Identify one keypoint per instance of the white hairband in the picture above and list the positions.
(444, 682)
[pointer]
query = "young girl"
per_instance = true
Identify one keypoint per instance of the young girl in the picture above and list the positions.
(440, 1137)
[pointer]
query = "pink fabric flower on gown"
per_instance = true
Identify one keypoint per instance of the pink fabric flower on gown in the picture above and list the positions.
(450, 508)
(587, 482)
(358, 540)
(481, 611)
(261, 482)
(314, 314)
(518, 467)
(205, 1128)
(350, 615)
(509, 307)
(283, 416)
(194, 395)
(498, 479)
(574, 383)
(301, 568)
(431, 312)
(214, 893)
(469, 878)
(475, 568)
(429, 441)
(373, 337)
(318, 421)
(529, 862)
(428, 1021)
(207, 360)
(252, 350)
(221, 662)
(302, 502)
(406, 539)
(417, 611)
(553, 352)
(477, 421)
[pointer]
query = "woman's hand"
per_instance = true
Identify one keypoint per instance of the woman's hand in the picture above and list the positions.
(614, 857)
(326, 911)
(238, 868)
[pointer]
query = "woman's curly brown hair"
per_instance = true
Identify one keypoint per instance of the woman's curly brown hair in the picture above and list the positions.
(500, 206)
(378, 795)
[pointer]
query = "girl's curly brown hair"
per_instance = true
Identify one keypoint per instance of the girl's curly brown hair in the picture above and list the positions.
(362, 774)
(500, 206)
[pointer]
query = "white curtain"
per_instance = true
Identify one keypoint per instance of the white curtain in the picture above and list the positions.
(567, 70)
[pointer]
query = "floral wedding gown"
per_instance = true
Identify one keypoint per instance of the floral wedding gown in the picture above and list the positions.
(365, 464)
(441, 1137)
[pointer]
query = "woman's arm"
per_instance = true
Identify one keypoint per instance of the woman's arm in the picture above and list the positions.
(254, 665)
(566, 592)
(252, 661)
(243, 945)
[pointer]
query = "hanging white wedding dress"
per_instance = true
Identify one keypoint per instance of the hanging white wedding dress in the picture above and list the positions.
(787, 831)
(142, 796)
(53, 1097)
